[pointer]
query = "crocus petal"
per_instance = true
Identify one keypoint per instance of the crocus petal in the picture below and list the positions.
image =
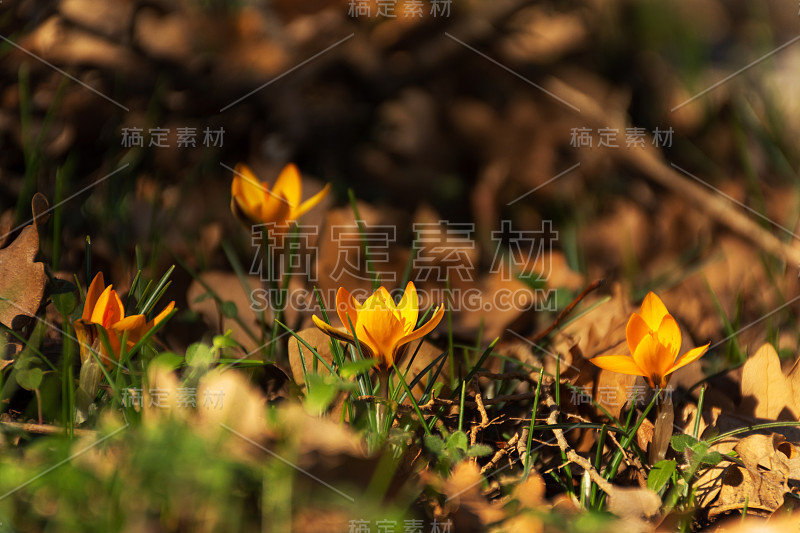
(129, 323)
(635, 331)
(408, 308)
(341, 335)
(247, 191)
(310, 203)
(108, 309)
(653, 310)
(134, 325)
(380, 329)
(653, 358)
(289, 186)
(689, 357)
(380, 299)
(92, 294)
(346, 309)
(331, 331)
(163, 314)
(424, 329)
(622, 364)
(275, 210)
(669, 334)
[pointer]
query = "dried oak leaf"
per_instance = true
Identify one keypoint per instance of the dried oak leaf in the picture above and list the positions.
(769, 462)
(766, 391)
(22, 280)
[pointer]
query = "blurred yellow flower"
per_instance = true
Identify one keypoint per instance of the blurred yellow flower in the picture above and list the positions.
(103, 308)
(254, 203)
(654, 340)
(383, 329)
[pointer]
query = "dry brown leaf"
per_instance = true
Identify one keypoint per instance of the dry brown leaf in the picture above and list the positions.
(778, 522)
(229, 398)
(541, 36)
(22, 280)
(59, 42)
(601, 332)
(527, 522)
(769, 463)
(634, 503)
(766, 391)
(339, 264)
(530, 493)
(227, 286)
(164, 36)
(494, 310)
(160, 396)
(112, 19)
(314, 434)
(463, 491)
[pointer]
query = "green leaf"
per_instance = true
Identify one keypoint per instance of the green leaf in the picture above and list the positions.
(699, 454)
(362, 366)
(711, 458)
(64, 302)
(199, 355)
(679, 443)
(479, 450)
(170, 360)
(434, 444)
(322, 390)
(229, 309)
(30, 379)
(660, 474)
(457, 441)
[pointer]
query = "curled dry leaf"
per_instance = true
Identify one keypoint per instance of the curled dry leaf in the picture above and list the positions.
(22, 280)
(769, 463)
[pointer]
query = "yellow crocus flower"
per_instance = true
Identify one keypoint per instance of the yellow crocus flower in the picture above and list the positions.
(654, 340)
(383, 329)
(103, 308)
(253, 202)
